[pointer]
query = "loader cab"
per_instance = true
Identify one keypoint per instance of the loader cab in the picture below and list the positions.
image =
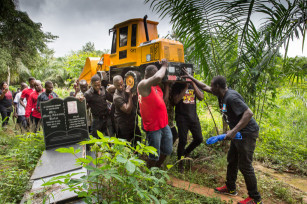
(127, 37)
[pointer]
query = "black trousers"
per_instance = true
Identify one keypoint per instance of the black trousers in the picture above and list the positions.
(99, 124)
(174, 133)
(35, 123)
(5, 115)
(240, 157)
(21, 120)
(183, 128)
(130, 134)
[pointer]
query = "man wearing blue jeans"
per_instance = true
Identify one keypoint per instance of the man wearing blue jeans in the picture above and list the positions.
(154, 114)
(240, 155)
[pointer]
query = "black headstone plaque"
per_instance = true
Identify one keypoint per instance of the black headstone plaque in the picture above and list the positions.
(64, 121)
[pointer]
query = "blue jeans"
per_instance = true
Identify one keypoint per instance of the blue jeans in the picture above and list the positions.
(162, 140)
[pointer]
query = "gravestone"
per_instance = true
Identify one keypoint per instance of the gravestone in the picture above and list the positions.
(64, 124)
(64, 121)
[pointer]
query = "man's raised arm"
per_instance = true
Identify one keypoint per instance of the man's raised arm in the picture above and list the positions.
(201, 85)
(145, 85)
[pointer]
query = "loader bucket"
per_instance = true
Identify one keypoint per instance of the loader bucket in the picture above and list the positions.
(89, 69)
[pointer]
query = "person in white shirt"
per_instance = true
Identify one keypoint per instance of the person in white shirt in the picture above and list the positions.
(19, 109)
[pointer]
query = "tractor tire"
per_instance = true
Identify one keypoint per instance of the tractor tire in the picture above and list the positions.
(132, 78)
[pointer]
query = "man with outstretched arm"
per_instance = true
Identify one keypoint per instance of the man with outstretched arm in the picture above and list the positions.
(154, 114)
(240, 155)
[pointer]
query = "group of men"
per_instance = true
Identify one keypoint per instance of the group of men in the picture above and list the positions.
(235, 112)
(114, 109)
(157, 102)
(27, 103)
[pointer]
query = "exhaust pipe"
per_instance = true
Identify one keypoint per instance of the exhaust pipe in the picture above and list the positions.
(145, 26)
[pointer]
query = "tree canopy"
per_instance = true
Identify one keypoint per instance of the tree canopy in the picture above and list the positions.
(22, 40)
(221, 39)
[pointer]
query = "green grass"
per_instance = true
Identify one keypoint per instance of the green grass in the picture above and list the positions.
(282, 141)
(19, 155)
(281, 145)
(174, 196)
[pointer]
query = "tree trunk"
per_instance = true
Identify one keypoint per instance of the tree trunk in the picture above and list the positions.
(225, 126)
(8, 75)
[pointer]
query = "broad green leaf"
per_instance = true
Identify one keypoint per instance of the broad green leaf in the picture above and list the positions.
(130, 167)
(70, 150)
(121, 159)
(83, 160)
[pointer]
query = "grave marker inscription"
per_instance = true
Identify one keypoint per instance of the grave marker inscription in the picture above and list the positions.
(64, 121)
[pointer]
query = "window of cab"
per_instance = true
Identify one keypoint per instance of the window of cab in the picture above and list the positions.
(123, 35)
(113, 49)
(133, 35)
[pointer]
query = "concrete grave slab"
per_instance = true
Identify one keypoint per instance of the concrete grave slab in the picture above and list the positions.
(53, 163)
(55, 193)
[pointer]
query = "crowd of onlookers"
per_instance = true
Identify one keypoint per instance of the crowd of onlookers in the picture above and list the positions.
(113, 109)
(25, 103)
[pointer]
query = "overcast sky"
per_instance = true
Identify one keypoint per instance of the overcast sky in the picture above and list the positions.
(79, 21)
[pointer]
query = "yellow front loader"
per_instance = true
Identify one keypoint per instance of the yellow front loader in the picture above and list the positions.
(136, 44)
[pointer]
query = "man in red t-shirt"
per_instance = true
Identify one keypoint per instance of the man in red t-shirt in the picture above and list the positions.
(27, 92)
(154, 114)
(31, 108)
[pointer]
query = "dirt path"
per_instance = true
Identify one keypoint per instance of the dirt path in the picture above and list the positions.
(195, 188)
(295, 181)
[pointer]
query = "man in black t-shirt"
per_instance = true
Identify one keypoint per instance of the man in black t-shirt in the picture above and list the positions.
(184, 97)
(96, 99)
(240, 154)
(126, 118)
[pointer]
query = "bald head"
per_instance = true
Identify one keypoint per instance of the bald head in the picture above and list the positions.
(150, 71)
(23, 86)
(117, 78)
(83, 82)
(118, 83)
(38, 86)
(83, 86)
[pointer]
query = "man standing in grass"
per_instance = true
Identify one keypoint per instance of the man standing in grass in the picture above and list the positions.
(27, 92)
(47, 95)
(83, 86)
(6, 99)
(96, 99)
(240, 155)
(19, 111)
(31, 108)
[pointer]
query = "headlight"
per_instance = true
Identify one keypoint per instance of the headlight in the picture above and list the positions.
(148, 57)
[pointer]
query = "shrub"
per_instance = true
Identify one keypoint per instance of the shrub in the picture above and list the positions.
(116, 174)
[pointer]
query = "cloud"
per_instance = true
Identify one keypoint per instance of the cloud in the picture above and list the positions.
(79, 21)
